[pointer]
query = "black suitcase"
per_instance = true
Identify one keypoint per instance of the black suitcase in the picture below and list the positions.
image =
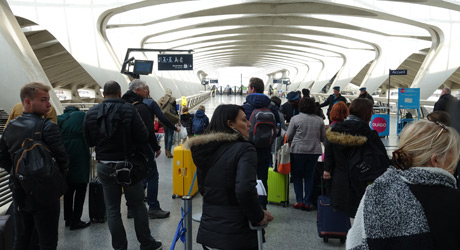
(6, 232)
(96, 201)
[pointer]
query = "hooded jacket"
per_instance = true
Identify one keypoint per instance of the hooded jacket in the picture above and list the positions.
(257, 101)
(71, 125)
(342, 137)
(103, 129)
(200, 115)
(226, 174)
(146, 117)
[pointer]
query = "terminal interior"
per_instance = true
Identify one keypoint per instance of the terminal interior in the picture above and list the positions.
(77, 46)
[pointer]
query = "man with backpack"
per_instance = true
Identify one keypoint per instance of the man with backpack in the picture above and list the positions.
(30, 209)
(200, 121)
(264, 119)
(116, 130)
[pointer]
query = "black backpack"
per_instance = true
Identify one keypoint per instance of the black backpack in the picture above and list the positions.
(365, 164)
(263, 127)
(37, 171)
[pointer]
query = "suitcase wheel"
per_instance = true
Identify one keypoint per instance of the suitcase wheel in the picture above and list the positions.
(174, 196)
(325, 239)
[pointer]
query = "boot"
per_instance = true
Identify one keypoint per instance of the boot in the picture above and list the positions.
(168, 154)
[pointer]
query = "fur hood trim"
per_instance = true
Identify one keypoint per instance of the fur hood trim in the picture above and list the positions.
(345, 139)
(206, 138)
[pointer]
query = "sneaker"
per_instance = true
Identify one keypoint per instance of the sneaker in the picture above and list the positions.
(157, 245)
(158, 214)
(307, 207)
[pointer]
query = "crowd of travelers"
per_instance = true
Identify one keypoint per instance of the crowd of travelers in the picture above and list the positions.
(392, 202)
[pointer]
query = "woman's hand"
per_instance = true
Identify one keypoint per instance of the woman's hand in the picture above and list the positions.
(267, 218)
(326, 175)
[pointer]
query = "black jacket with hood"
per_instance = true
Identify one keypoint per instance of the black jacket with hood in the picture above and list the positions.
(226, 165)
(146, 116)
(103, 129)
(341, 138)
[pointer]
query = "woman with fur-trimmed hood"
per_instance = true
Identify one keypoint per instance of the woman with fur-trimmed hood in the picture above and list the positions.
(353, 133)
(226, 165)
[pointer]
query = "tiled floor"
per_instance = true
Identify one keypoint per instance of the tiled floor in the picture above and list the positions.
(291, 229)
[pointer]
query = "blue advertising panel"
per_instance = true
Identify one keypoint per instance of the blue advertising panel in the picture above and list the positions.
(409, 98)
(398, 72)
(381, 124)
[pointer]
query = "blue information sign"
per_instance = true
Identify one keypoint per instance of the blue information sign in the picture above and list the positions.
(398, 72)
(409, 98)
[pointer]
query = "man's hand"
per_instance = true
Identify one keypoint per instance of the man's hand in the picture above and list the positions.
(178, 129)
(267, 218)
(326, 175)
(157, 153)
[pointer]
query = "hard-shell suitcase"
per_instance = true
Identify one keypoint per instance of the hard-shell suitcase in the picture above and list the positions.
(278, 188)
(183, 172)
(331, 223)
(96, 204)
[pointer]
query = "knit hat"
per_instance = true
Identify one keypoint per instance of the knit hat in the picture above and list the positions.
(168, 92)
(336, 88)
(362, 89)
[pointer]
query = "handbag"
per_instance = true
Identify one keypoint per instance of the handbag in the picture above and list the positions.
(134, 168)
(284, 165)
(170, 112)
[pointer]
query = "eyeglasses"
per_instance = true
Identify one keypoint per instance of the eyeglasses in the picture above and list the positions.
(443, 128)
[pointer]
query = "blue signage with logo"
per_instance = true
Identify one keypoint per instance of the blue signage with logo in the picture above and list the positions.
(409, 98)
(381, 124)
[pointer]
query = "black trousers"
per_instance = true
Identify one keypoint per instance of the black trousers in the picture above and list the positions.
(42, 222)
(74, 200)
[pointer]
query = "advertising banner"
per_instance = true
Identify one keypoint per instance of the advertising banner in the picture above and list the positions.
(381, 124)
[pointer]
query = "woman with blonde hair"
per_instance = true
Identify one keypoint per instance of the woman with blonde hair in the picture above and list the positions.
(415, 204)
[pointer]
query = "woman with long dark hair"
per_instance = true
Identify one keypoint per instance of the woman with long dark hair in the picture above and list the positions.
(226, 174)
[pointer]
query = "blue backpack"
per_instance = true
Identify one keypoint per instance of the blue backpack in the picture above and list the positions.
(198, 125)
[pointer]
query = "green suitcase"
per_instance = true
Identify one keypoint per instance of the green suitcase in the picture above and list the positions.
(278, 188)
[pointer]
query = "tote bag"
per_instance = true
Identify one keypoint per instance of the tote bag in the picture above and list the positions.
(284, 166)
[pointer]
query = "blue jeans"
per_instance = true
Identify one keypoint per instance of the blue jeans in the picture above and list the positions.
(169, 138)
(42, 222)
(264, 158)
(151, 182)
(134, 195)
(303, 169)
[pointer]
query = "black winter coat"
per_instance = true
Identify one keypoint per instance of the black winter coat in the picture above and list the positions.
(107, 136)
(341, 137)
(445, 103)
(146, 116)
(226, 165)
(331, 100)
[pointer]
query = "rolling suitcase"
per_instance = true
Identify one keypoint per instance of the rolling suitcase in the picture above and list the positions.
(96, 204)
(278, 188)
(183, 172)
(331, 223)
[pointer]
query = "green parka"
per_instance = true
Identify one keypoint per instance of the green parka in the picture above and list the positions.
(71, 125)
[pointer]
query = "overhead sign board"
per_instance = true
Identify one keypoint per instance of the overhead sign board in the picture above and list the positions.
(398, 72)
(213, 81)
(175, 61)
(276, 80)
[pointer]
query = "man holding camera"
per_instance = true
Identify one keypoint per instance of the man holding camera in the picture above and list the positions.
(115, 128)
